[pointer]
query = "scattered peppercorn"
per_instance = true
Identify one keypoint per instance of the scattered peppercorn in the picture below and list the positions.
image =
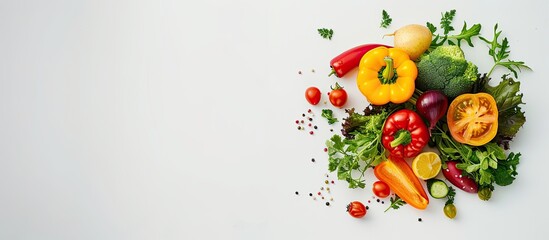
(315, 127)
(333, 182)
(378, 200)
(311, 132)
(319, 193)
(419, 220)
(382, 202)
(367, 207)
(310, 194)
(309, 111)
(312, 70)
(303, 114)
(311, 119)
(327, 203)
(325, 149)
(312, 160)
(326, 182)
(296, 193)
(298, 127)
(331, 130)
(310, 124)
(299, 72)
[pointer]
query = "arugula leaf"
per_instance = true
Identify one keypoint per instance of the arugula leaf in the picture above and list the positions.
(326, 33)
(396, 203)
(386, 20)
(446, 25)
(328, 114)
(500, 54)
(446, 21)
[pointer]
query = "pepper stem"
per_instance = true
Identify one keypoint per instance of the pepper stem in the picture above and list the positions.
(403, 137)
(389, 71)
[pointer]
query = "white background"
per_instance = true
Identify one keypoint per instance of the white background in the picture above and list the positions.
(175, 120)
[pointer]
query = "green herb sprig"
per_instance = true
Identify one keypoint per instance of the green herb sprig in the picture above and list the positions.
(500, 54)
(326, 33)
(328, 114)
(396, 203)
(446, 20)
(386, 20)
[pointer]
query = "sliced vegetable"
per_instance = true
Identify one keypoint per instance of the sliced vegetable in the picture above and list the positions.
(414, 39)
(349, 60)
(432, 105)
(386, 75)
(313, 95)
(473, 118)
(437, 188)
(456, 177)
(404, 134)
(338, 96)
(401, 179)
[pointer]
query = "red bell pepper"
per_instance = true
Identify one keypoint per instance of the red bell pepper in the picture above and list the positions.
(404, 134)
(348, 60)
(401, 179)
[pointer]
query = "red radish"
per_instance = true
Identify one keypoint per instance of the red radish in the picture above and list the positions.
(453, 174)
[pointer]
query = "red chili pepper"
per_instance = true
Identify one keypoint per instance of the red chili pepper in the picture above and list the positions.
(404, 134)
(348, 60)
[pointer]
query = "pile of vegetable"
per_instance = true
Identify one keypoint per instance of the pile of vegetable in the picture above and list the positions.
(431, 106)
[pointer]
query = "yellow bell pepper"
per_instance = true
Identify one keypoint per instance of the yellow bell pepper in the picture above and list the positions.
(386, 75)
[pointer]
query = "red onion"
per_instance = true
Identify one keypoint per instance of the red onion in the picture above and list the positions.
(432, 105)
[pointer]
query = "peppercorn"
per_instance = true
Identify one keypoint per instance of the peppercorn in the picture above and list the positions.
(311, 132)
(310, 194)
(296, 193)
(327, 203)
(303, 115)
(312, 160)
(315, 127)
(419, 220)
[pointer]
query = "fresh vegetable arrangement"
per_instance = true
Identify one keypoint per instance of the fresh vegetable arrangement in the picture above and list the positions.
(431, 110)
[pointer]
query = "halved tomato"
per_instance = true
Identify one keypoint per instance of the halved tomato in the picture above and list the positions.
(473, 118)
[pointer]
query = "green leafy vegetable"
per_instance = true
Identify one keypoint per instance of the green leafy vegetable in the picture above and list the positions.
(396, 203)
(328, 114)
(486, 164)
(326, 33)
(446, 21)
(500, 54)
(446, 25)
(352, 156)
(510, 116)
(386, 20)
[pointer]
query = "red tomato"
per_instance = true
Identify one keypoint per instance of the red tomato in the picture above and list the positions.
(338, 96)
(312, 94)
(356, 209)
(381, 189)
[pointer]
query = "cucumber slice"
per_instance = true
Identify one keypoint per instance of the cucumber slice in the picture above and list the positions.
(437, 188)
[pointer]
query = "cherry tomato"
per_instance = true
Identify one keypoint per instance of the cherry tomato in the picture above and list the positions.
(356, 209)
(312, 94)
(381, 189)
(338, 96)
(473, 118)
(450, 210)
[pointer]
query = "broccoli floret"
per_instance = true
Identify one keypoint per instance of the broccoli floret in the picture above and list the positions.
(447, 70)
